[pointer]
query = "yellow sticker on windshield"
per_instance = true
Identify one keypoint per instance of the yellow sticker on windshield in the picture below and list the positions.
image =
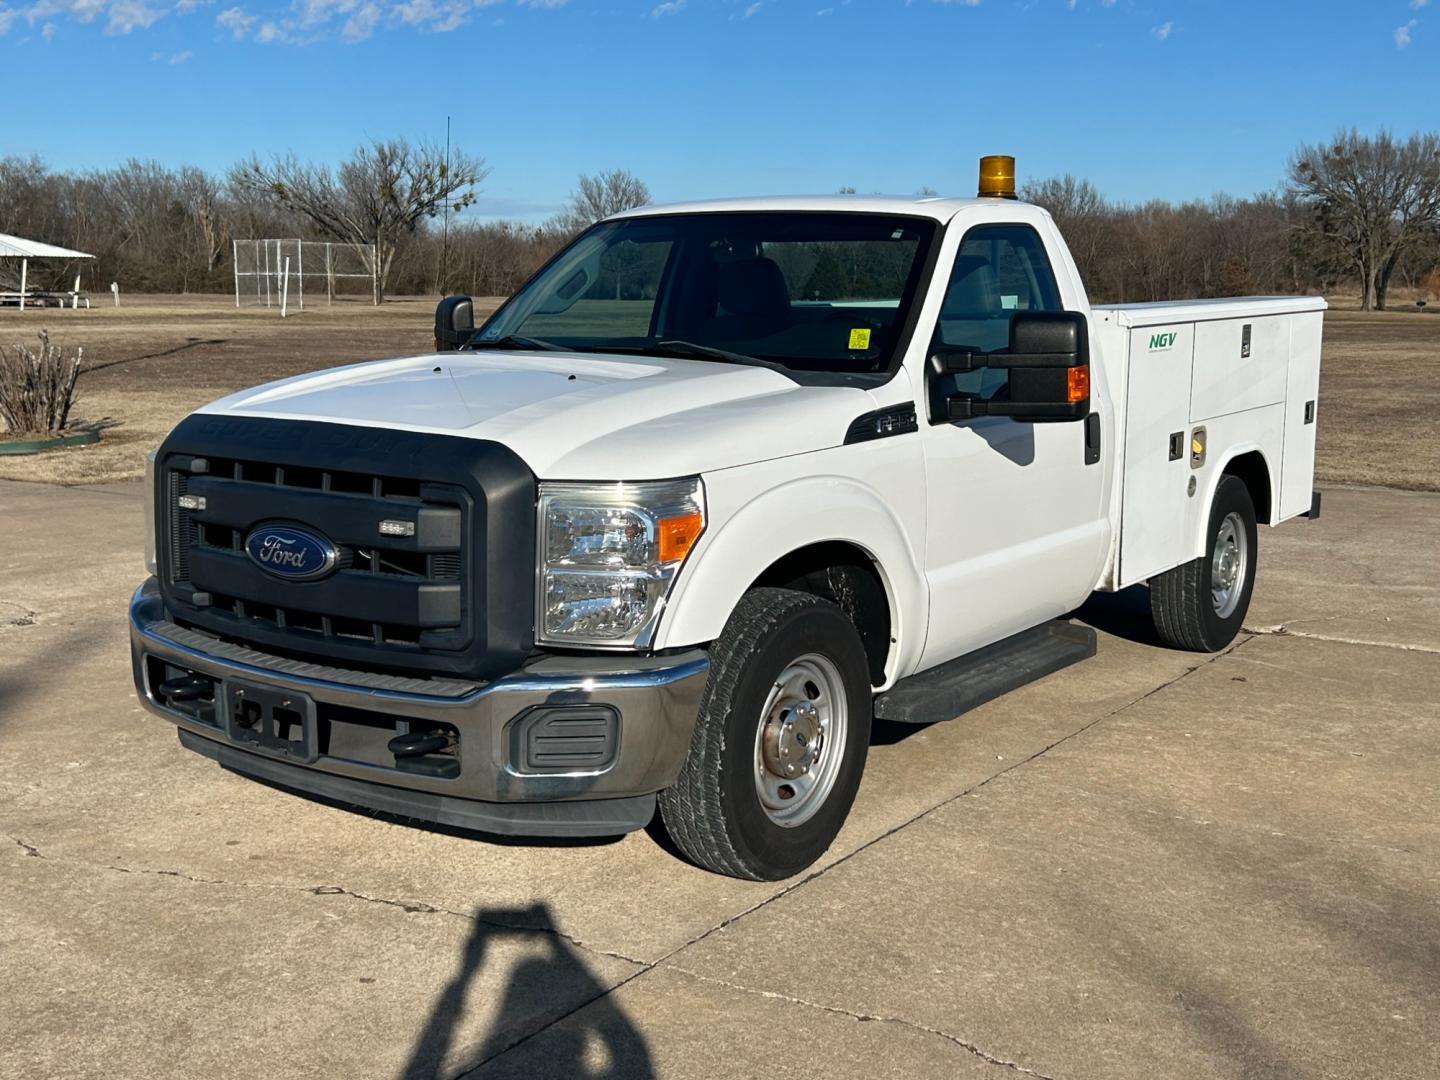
(860, 339)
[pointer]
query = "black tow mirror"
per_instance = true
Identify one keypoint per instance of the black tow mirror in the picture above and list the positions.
(1049, 364)
(454, 323)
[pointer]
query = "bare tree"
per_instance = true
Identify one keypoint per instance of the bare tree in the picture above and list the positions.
(206, 219)
(1079, 212)
(599, 195)
(379, 196)
(1373, 199)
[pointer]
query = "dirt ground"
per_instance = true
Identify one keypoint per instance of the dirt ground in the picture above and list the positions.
(156, 358)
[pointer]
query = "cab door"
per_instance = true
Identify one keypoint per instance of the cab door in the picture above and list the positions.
(1014, 531)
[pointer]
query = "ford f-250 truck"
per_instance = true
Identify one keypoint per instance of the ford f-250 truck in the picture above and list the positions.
(719, 485)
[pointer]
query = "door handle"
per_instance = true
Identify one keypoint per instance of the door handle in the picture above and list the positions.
(1092, 438)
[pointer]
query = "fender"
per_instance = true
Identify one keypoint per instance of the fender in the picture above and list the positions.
(763, 528)
(1200, 541)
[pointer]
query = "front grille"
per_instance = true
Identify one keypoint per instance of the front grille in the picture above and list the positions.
(421, 602)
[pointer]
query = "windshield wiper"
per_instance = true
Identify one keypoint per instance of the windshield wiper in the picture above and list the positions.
(515, 341)
(692, 350)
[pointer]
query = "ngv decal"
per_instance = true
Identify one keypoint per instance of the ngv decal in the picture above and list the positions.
(290, 553)
(1162, 342)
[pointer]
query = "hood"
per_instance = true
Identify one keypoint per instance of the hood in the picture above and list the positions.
(573, 416)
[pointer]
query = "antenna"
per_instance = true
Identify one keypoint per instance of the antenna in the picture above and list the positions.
(445, 241)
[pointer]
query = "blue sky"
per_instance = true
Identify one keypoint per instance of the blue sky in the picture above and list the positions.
(701, 98)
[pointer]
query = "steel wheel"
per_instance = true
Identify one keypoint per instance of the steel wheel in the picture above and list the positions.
(800, 741)
(1228, 565)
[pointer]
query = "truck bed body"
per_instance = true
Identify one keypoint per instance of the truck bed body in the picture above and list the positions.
(1241, 375)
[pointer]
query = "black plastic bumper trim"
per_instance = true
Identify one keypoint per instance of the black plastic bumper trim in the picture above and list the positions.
(597, 817)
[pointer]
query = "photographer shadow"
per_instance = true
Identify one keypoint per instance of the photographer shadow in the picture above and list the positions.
(595, 1042)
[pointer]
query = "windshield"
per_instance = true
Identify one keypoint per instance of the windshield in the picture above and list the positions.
(812, 292)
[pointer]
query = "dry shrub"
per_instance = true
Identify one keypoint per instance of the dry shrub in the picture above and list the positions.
(37, 387)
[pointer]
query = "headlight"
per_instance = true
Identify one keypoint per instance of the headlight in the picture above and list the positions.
(608, 556)
(150, 557)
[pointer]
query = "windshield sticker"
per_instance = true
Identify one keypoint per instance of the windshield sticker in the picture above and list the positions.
(860, 339)
(1009, 303)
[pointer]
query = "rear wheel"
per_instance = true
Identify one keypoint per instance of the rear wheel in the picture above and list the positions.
(780, 740)
(1201, 605)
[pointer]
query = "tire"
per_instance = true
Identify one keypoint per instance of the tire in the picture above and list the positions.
(783, 657)
(1192, 605)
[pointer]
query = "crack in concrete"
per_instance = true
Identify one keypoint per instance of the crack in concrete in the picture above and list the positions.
(1285, 630)
(422, 908)
(30, 849)
(900, 1021)
(410, 907)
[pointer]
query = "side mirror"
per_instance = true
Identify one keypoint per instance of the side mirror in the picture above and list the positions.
(1049, 365)
(454, 323)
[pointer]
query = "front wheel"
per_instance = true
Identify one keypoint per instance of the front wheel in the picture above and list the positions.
(1201, 605)
(780, 739)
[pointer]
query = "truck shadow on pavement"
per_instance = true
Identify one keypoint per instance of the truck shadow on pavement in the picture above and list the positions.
(1124, 614)
(597, 1040)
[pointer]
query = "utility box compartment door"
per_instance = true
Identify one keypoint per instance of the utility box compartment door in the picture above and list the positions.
(1156, 508)
(1240, 364)
(1302, 392)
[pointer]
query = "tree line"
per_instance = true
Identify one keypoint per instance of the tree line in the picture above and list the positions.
(1356, 212)
(157, 228)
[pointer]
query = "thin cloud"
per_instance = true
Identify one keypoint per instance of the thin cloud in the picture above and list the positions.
(1162, 31)
(180, 57)
(753, 8)
(128, 15)
(235, 20)
(288, 22)
(1402, 34)
(670, 7)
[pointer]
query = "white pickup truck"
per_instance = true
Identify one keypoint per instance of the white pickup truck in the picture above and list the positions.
(720, 484)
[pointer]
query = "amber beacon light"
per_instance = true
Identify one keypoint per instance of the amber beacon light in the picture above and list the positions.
(997, 177)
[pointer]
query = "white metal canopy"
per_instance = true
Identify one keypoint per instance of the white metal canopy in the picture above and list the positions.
(17, 247)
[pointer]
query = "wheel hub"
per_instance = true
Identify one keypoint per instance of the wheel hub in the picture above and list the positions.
(1228, 565)
(793, 740)
(800, 740)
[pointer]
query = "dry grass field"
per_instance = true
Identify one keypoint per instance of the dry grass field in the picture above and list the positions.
(156, 358)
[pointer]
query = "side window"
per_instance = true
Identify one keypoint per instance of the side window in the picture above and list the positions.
(999, 270)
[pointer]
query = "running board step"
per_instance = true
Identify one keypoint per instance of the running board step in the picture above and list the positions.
(959, 685)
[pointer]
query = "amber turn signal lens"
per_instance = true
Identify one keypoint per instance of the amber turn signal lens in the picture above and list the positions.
(677, 535)
(1077, 384)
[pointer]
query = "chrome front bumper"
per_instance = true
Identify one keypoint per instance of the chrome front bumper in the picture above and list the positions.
(653, 701)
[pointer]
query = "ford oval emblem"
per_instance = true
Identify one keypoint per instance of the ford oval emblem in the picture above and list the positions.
(291, 553)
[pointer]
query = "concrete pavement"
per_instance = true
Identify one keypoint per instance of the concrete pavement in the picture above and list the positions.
(1152, 864)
